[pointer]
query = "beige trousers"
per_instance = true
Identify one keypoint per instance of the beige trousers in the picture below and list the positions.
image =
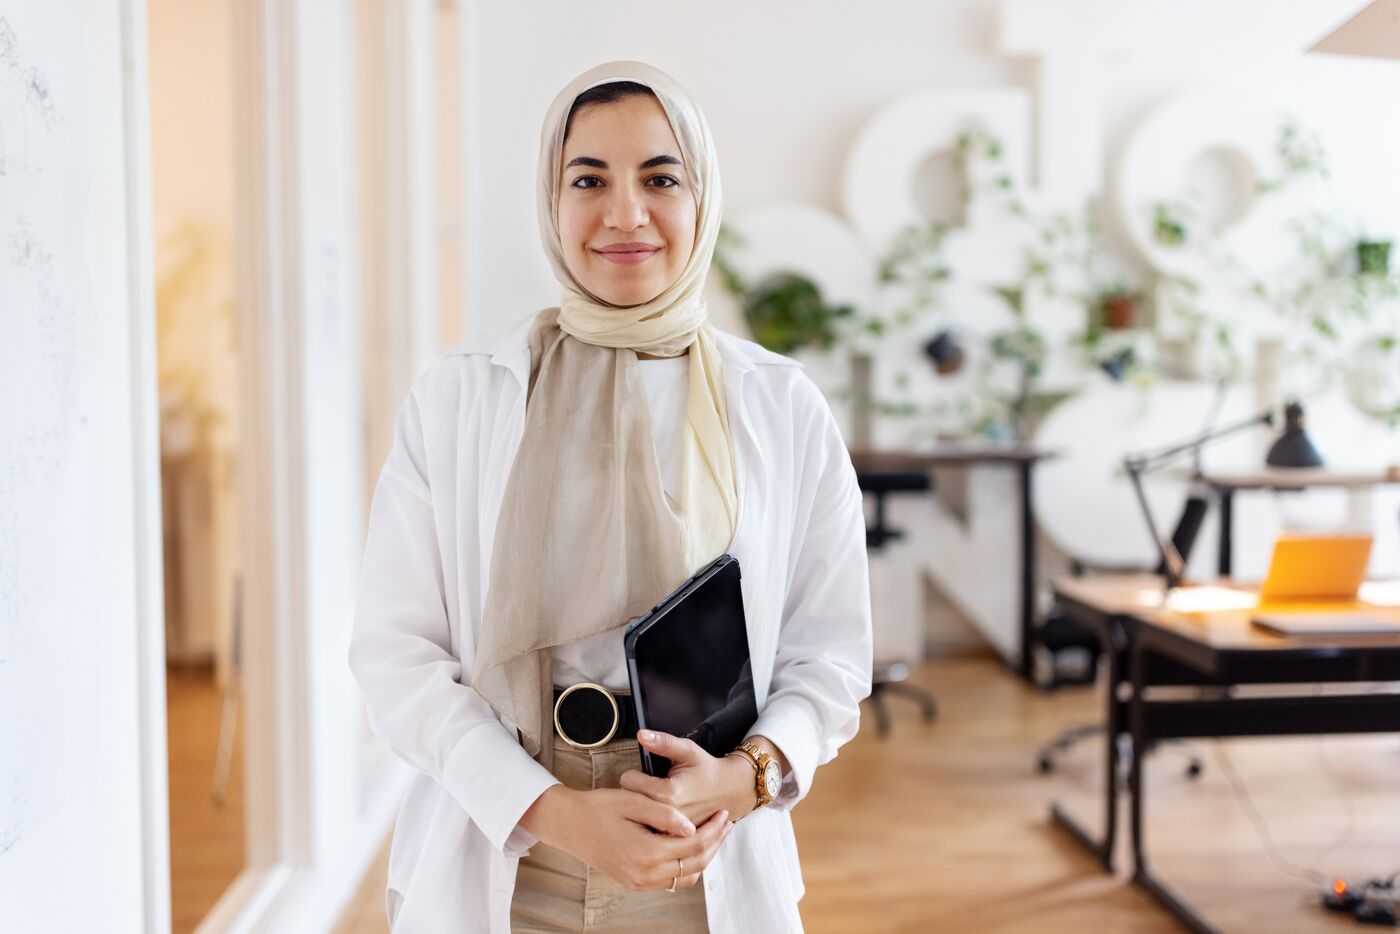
(554, 892)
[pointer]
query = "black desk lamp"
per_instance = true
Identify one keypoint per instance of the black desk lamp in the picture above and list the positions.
(1293, 448)
(1173, 565)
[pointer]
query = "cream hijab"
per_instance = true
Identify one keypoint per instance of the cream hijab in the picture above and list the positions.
(586, 539)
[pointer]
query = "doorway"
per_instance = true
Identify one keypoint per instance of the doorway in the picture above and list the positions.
(193, 223)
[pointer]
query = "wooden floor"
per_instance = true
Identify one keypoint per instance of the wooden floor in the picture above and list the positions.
(944, 828)
(206, 839)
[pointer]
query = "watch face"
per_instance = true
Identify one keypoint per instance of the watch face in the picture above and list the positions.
(772, 779)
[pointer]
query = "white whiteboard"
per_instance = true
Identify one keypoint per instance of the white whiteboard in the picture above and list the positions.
(71, 525)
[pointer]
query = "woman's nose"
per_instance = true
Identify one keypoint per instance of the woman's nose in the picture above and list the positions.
(625, 209)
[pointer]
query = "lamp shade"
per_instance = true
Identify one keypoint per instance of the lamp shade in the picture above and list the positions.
(1293, 448)
(1373, 32)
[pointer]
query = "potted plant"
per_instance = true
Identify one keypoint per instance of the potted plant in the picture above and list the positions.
(1169, 223)
(1373, 257)
(786, 312)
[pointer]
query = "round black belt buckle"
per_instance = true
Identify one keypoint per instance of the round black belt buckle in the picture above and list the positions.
(589, 709)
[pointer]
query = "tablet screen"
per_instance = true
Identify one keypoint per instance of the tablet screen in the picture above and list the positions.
(692, 676)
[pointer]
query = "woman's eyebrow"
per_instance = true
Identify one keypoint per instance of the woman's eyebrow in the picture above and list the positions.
(660, 160)
(600, 164)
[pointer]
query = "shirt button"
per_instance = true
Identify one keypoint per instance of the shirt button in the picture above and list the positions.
(713, 883)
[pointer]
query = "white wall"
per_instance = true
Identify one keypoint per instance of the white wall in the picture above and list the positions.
(785, 87)
(777, 82)
(82, 734)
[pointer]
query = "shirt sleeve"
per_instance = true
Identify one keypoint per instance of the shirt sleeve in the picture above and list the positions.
(823, 666)
(409, 675)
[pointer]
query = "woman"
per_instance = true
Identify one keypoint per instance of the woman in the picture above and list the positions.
(549, 483)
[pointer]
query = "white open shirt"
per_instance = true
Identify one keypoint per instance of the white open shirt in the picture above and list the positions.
(800, 542)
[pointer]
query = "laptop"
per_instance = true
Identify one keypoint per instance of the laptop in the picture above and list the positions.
(1319, 567)
(1324, 624)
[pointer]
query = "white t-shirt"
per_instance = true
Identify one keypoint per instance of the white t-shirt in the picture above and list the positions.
(666, 383)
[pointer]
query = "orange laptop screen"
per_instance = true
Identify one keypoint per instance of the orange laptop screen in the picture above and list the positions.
(1316, 567)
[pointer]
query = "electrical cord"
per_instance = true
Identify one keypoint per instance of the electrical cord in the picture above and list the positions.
(1281, 863)
(1348, 803)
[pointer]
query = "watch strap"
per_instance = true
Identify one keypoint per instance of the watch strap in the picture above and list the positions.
(759, 760)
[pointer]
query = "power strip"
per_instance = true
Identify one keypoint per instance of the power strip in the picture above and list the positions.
(1371, 903)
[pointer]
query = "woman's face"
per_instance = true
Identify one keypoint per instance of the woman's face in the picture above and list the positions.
(626, 206)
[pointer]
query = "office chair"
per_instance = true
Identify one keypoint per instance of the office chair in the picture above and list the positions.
(888, 678)
(1060, 635)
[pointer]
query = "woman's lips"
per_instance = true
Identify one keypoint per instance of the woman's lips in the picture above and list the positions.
(628, 257)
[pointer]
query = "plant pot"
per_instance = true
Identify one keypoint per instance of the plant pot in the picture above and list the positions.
(946, 352)
(1373, 257)
(1118, 312)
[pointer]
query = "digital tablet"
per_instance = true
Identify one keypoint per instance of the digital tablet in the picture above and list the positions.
(688, 664)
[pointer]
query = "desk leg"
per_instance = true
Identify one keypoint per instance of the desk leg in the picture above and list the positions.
(1113, 725)
(1027, 572)
(1137, 791)
(1225, 560)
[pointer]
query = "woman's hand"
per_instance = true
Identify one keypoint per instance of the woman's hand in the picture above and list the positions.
(698, 784)
(641, 843)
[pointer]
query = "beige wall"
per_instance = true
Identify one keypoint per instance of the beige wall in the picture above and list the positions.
(191, 110)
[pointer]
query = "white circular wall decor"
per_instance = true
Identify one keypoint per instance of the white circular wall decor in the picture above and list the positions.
(937, 188)
(1373, 378)
(1168, 147)
(892, 148)
(808, 241)
(1205, 157)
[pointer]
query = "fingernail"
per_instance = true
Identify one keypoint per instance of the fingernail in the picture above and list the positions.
(646, 736)
(724, 816)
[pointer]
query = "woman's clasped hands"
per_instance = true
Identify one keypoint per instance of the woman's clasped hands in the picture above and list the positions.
(635, 838)
(698, 784)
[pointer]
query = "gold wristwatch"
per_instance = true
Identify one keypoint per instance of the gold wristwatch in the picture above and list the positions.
(768, 777)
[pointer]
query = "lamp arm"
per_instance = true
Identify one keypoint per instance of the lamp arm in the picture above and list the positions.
(1171, 558)
(1155, 459)
(1138, 464)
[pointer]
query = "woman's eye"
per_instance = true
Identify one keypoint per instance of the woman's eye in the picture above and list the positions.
(593, 181)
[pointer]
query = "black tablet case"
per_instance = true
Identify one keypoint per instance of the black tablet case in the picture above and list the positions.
(688, 664)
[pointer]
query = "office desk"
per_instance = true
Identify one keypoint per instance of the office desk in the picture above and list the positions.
(1221, 648)
(961, 455)
(1224, 486)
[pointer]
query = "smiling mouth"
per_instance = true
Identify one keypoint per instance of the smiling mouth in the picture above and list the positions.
(628, 257)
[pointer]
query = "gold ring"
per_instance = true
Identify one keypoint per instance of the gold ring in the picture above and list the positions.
(680, 871)
(617, 715)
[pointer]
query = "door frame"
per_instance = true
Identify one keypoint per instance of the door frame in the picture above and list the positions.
(311, 832)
